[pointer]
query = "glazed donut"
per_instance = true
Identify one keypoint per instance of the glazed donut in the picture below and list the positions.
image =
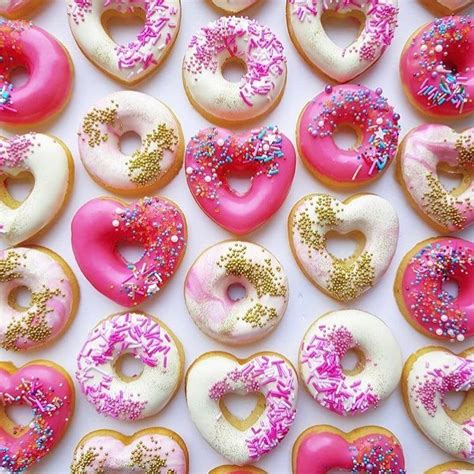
(419, 288)
(49, 87)
(250, 318)
(132, 62)
(14, 9)
(153, 165)
(54, 297)
(49, 391)
(447, 7)
(233, 6)
(379, 367)
(323, 448)
(423, 151)
(155, 223)
(49, 162)
(268, 374)
(98, 366)
(428, 375)
(454, 467)
(316, 215)
(369, 114)
(214, 153)
(237, 470)
(304, 20)
(234, 39)
(435, 69)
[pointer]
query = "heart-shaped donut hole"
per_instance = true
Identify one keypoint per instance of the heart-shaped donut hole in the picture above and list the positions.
(455, 180)
(465, 409)
(124, 27)
(343, 29)
(240, 403)
(15, 189)
(131, 252)
(345, 247)
(239, 183)
(20, 416)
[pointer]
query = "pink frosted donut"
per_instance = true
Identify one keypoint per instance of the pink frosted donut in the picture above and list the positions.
(215, 153)
(437, 67)
(419, 288)
(362, 109)
(49, 86)
(155, 223)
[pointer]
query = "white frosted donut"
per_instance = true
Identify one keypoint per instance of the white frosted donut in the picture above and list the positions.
(148, 340)
(304, 18)
(429, 374)
(233, 6)
(130, 62)
(376, 375)
(267, 374)
(245, 320)
(234, 38)
(50, 163)
(159, 157)
(54, 297)
(373, 219)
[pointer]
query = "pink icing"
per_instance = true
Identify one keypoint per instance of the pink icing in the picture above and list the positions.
(155, 223)
(361, 108)
(51, 74)
(215, 153)
(50, 395)
(437, 67)
(433, 310)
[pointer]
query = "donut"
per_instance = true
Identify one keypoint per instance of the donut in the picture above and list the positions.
(436, 68)
(155, 223)
(316, 215)
(428, 375)
(151, 166)
(453, 467)
(447, 7)
(268, 375)
(50, 69)
(373, 120)
(227, 469)
(128, 63)
(250, 318)
(13, 9)
(152, 450)
(379, 19)
(233, 6)
(102, 381)
(239, 40)
(54, 297)
(48, 390)
(323, 448)
(373, 379)
(49, 162)
(424, 150)
(419, 291)
(215, 153)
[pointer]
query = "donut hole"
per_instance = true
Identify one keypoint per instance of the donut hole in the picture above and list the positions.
(242, 411)
(124, 28)
(129, 143)
(18, 76)
(131, 252)
(454, 400)
(353, 362)
(19, 415)
(128, 367)
(344, 246)
(346, 137)
(452, 179)
(233, 69)
(16, 189)
(239, 183)
(20, 298)
(451, 287)
(236, 292)
(343, 29)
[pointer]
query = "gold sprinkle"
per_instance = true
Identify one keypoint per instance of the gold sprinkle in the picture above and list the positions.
(465, 148)
(86, 460)
(260, 315)
(94, 119)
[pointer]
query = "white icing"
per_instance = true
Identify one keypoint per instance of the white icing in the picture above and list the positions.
(233, 6)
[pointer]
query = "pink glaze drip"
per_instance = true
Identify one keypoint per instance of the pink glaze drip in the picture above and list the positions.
(265, 154)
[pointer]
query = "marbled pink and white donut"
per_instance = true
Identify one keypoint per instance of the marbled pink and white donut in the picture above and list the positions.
(107, 388)
(250, 318)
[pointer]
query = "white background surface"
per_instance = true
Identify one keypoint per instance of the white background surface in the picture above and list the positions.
(306, 302)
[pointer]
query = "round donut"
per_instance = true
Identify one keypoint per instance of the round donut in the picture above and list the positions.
(233, 6)
(373, 119)
(428, 375)
(376, 375)
(13, 9)
(215, 153)
(317, 215)
(49, 66)
(153, 165)
(419, 288)
(437, 65)
(54, 297)
(152, 450)
(234, 39)
(453, 467)
(113, 393)
(304, 20)
(49, 162)
(129, 63)
(425, 149)
(250, 318)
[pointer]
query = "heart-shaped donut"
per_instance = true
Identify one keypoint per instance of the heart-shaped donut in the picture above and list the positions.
(49, 391)
(50, 163)
(150, 450)
(453, 467)
(324, 448)
(227, 469)
(425, 150)
(264, 153)
(155, 223)
(371, 219)
(428, 376)
(267, 374)
(233, 6)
